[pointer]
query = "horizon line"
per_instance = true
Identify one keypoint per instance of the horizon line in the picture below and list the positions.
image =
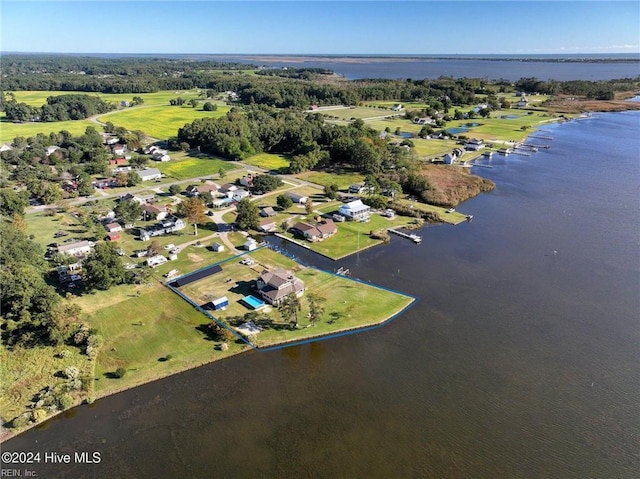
(8, 52)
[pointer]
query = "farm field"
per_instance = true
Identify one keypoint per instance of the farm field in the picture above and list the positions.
(159, 122)
(9, 130)
(348, 304)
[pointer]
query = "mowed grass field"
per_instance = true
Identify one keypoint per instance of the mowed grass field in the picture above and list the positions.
(9, 130)
(348, 304)
(159, 121)
(184, 166)
(139, 334)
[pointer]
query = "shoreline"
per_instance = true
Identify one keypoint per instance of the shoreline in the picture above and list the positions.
(55, 416)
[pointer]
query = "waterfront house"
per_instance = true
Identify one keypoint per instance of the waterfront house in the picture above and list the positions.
(149, 174)
(250, 244)
(268, 225)
(316, 232)
(355, 211)
(474, 144)
(274, 286)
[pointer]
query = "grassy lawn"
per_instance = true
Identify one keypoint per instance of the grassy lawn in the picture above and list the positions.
(352, 236)
(183, 166)
(348, 305)
(141, 331)
(358, 112)
(160, 121)
(269, 161)
(343, 180)
(453, 218)
(433, 147)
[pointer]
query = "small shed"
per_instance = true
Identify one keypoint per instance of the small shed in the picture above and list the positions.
(113, 236)
(250, 244)
(217, 247)
(220, 303)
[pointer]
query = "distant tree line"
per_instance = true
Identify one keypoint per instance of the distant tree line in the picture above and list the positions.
(597, 90)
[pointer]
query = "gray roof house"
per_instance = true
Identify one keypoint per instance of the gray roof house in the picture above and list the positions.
(149, 174)
(275, 285)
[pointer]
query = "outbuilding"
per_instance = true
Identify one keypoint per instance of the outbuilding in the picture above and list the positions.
(220, 303)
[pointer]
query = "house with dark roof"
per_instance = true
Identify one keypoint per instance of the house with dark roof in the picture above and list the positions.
(155, 212)
(208, 190)
(274, 286)
(267, 212)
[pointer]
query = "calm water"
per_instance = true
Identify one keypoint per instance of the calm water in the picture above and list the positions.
(457, 68)
(517, 362)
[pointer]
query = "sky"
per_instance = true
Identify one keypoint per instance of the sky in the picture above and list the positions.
(320, 27)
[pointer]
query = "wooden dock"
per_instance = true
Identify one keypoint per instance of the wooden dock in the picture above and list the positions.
(415, 238)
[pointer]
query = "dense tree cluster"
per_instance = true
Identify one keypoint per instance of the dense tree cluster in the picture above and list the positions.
(57, 108)
(598, 90)
(29, 306)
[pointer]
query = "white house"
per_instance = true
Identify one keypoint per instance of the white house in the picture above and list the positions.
(113, 227)
(160, 155)
(217, 247)
(79, 248)
(523, 102)
(296, 198)
(149, 174)
(250, 244)
(396, 107)
(240, 194)
(156, 260)
(355, 211)
(228, 189)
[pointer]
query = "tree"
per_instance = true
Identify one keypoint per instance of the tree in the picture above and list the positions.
(222, 173)
(128, 211)
(154, 248)
(121, 179)
(284, 202)
(138, 160)
(331, 191)
(103, 267)
(308, 206)
(266, 183)
(193, 102)
(289, 308)
(208, 106)
(184, 146)
(175, 189)
(133, 178)
(248, 215)
(194, 210)
(316, 308)
(12, 203)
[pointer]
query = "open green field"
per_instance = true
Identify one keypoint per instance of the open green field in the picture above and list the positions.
(348, 304)
(183, 166)
(39, 98)
(343, 180)
(140, 332)
(9, 130)
(269, 161)
(358, 112)
(159, 121)
(433, 147)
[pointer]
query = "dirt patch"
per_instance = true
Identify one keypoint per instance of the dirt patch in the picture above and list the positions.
(194, 257)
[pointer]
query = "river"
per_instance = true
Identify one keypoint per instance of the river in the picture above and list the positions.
(520, 359)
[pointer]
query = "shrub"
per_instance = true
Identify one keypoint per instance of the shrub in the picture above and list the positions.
(71, 372)
(65, 401)
(22, 420)
(120, 372)
(38, 415)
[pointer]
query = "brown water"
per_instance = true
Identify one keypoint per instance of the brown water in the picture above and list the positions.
(517, 362)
